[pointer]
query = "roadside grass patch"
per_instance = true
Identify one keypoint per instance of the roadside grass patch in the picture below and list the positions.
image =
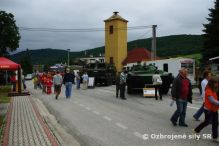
(4, 90)
(4, 94)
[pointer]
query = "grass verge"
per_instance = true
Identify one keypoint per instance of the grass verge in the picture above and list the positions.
(3, 99)
(4, 94)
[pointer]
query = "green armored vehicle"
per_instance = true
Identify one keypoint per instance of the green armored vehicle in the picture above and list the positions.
(140, 76)
(104, 74)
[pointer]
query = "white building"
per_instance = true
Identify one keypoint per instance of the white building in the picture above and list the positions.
(214, 62)
(100, 59)
(173, 65)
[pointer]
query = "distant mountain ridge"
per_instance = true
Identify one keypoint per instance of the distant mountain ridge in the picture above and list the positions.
(167, 46)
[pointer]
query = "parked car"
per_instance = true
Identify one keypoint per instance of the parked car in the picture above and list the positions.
(28, 77)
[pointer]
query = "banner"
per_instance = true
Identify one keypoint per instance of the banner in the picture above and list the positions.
(148, 92)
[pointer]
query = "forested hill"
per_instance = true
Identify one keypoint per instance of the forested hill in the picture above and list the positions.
(167, 46)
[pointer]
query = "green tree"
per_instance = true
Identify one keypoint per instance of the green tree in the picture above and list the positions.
(211, 36)
(46, 68)
(9, 34)
(26, 63)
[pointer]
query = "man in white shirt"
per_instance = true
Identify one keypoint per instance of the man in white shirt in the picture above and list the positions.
(157, 83)
(85, 80)
(207, 77)
(78, 80)
(123, 77)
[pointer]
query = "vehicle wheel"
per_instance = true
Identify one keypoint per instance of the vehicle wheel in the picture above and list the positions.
(110, 82)
(165, 89)
(106, 83)
(129, 90)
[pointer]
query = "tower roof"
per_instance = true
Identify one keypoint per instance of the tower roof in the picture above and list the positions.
(115, 16)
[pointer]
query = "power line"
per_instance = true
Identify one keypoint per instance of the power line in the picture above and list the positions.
(80, 30)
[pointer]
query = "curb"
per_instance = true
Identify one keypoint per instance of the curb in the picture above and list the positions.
(45, 127)
(8, 123)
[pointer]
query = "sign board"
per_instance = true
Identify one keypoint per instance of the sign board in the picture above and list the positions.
(148, 92)
(91, 82)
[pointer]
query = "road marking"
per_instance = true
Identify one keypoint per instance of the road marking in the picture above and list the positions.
(192, 107)
(137, 134)
(87, 108)
(106, 91)
(107, 118)
(95, 112)
(121, 126)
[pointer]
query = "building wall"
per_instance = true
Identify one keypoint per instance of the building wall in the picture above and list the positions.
(116, 43)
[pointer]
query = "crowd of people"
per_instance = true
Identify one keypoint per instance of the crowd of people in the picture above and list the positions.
(46, 81)
(182, 94)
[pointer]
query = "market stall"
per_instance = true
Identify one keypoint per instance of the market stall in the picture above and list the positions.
(8, 65)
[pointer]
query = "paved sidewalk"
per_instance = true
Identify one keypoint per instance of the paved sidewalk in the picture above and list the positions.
(25, 126)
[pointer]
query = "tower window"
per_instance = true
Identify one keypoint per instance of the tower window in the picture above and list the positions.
(111, 29)
(165, 67)
(111, 60)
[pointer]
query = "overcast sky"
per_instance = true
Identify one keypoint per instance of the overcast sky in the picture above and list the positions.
(171, 16)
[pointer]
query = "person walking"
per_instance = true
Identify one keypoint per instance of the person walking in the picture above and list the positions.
(13, 81)
(207, 77)
(68, 80)
(118, 84)
(211, 107)
(57, 81)
(123, 77)
(78, 80)
(49, 84)
(182, 93)
(157, 83)
(43, 82)
(23, 82)
(35, 81)
(85, 80)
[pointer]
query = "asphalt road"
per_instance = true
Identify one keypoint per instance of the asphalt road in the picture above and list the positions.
(97, 118)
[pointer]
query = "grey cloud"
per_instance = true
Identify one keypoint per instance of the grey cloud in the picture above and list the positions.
(171, 16)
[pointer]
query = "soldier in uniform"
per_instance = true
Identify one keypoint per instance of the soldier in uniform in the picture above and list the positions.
(123, 77)
(118, 84)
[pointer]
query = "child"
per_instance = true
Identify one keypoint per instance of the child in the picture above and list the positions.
(35, 81)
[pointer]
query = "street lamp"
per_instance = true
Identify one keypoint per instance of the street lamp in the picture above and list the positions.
(68, 56)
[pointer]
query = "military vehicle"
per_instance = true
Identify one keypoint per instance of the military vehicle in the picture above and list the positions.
(104, 74)
(141, 76)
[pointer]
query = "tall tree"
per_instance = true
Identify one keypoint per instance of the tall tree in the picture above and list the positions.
(26, 63)
(9, 34)
(211, 36)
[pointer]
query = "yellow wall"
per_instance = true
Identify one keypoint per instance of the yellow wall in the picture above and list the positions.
(116, 43)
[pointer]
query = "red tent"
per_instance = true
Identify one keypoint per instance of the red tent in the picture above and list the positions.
(6, 64)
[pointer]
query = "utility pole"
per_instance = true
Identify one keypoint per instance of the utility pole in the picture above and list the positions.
(68, 56)
(154, 46)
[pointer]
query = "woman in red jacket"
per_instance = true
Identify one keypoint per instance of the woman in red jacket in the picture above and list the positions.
(211, 107)
(48, 84)
(13, 81)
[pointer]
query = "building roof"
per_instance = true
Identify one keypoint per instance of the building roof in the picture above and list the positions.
(115, 16)
(137, 55)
